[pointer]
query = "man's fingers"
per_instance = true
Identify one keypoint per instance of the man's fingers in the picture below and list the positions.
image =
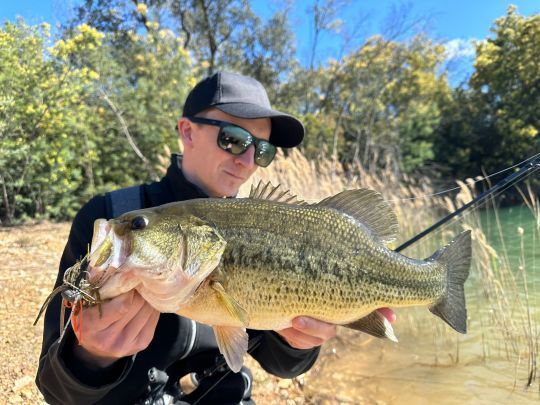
(314, 327)
(139, 323)
(146, 334)
(388, 314)
(300, 340)
(126, 311)
(307, 332)
(100, 317)
(131, 330)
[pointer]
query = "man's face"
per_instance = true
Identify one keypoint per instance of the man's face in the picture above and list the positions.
(216, 171)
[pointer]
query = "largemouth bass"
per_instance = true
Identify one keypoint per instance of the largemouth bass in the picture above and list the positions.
(259, 262)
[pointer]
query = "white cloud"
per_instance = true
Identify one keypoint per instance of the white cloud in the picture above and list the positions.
(460, 48)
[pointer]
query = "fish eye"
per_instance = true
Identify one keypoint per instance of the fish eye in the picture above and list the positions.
(138, 223)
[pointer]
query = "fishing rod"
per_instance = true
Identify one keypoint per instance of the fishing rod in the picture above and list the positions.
(525, 170)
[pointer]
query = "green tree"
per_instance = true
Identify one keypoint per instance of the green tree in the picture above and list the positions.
(138, 97)
(495, 123)
(507, 80)
(384, 99)
(42, 121)
(74, 121)
(218, 34)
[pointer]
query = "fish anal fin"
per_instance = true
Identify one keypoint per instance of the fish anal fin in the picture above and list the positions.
(233, 344)
(374, 324)
(230, 304)
(267, 191)
(367, 207)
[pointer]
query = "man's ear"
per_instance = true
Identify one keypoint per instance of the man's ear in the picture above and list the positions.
(184, 131)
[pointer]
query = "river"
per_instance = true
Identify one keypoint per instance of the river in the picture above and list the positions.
(432, 363)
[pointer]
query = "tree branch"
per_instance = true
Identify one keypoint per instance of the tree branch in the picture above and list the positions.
(128, 136)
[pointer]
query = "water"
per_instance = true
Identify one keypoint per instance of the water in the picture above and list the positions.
(432, 363)
(504, 236)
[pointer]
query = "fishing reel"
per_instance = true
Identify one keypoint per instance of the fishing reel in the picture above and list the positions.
(193, 388)
(159, 393)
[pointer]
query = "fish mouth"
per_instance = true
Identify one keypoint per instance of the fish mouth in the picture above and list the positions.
(108, 252)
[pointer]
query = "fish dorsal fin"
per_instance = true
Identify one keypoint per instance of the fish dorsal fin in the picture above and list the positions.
(267, 191)
(368, 207)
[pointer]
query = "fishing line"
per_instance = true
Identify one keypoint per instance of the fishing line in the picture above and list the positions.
(482, 178)
(472, 210)
(467, 214)
(523, 173)
(451, 219)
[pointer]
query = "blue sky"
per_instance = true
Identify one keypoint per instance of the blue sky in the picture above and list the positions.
(450, 19)
(458, 22)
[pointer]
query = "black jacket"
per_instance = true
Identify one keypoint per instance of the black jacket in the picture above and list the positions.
(176, 344)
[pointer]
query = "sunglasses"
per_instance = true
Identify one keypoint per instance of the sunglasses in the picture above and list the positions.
(236, 140)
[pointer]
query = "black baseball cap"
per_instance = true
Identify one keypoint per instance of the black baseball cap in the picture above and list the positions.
(243, 97)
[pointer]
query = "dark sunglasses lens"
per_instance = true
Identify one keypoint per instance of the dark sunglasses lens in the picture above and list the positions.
(234, 140)
(264, 154)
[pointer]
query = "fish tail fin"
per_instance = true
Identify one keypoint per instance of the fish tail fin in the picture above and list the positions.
(456, 257)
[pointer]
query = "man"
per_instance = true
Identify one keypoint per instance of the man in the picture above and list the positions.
(110, 364)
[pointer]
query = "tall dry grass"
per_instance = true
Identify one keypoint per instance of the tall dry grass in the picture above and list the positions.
(513, 323)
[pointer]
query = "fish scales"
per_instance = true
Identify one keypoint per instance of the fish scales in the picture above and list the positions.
(299, 272)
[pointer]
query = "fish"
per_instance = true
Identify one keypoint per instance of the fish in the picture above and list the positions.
(259, 262)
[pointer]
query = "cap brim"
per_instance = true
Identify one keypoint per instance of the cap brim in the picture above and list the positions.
(287, 131)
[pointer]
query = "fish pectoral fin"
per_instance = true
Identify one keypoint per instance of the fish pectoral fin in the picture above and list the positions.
(232, 306)
(233, 344)
(374, 324)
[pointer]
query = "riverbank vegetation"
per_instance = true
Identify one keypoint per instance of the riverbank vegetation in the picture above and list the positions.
(91, 108)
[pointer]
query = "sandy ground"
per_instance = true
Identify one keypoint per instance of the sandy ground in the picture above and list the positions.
(29, 257)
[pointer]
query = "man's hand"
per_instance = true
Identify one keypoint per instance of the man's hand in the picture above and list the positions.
(307, 333)
(388, 314)
(126, 326)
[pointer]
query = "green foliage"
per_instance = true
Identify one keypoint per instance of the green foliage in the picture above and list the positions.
(67, 111)
(384, 101)
(138, 94)
(92, 111)
(42, 102)
(496, 123)
(218, 34)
